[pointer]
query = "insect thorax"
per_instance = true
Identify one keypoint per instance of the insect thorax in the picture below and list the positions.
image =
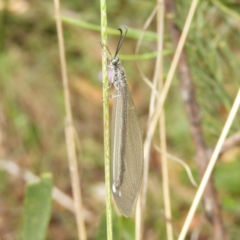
(119, 77)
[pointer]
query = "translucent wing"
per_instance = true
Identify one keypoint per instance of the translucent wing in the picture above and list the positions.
(126, 153)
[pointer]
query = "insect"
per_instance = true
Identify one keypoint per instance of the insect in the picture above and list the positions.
(126, 140)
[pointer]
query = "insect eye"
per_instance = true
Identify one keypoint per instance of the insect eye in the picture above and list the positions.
(115, 61)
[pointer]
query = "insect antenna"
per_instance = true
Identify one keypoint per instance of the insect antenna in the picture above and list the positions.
(122, 36)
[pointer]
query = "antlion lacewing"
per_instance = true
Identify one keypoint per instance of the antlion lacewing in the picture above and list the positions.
(126, 140)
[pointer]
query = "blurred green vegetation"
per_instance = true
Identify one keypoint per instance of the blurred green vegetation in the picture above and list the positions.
(32, 109)
(123, 228)
(37, 209)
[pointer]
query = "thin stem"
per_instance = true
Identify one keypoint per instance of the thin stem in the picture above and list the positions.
(69, 132)
(193, 112)
(231, 142)
(210, 167)
(180, 161)
(163, 96)
(162, 126)
(106, 120)
(171, 71)
(142, 197)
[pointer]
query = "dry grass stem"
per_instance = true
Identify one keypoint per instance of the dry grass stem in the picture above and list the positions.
(141, 199)
(158, 77)
(180, 161)
(69, 131)
(139, 42)
(161, 100)
(210, 167)
(172, 70)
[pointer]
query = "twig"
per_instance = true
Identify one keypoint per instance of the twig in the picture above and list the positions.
(106, 120)
(210, 167)
(69, 132)
(231, 142)
(211, 203)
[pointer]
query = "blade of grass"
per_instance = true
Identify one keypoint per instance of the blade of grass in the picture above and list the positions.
(132, 33)
(37, 209)
(60, 197)
(144, 56)
(225, 9)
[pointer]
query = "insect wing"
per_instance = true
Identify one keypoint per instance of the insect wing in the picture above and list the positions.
(127, 153)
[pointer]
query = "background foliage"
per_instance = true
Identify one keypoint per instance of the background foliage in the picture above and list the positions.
(32, 109)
